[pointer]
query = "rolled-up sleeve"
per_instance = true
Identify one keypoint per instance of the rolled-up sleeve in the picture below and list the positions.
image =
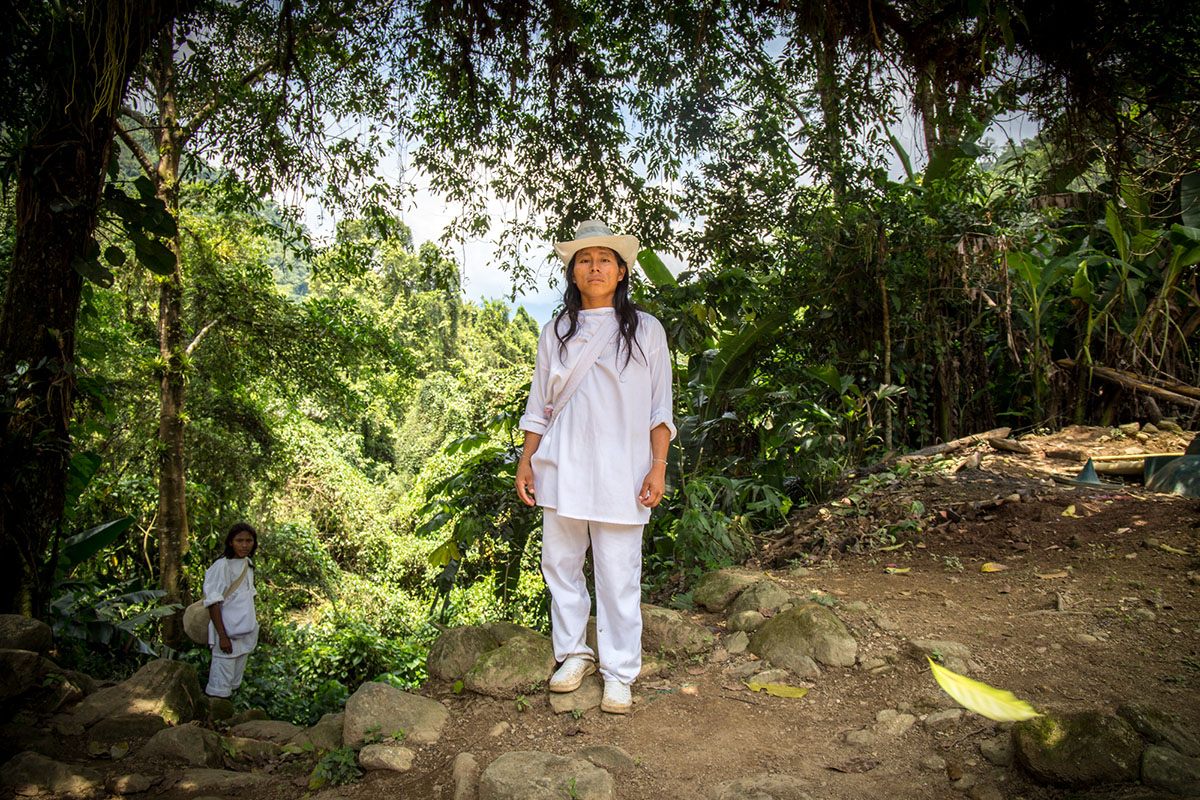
(534, 419)
(661, 394)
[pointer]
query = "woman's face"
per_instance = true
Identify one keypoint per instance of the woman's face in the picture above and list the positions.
(243, 543)
(597, 274)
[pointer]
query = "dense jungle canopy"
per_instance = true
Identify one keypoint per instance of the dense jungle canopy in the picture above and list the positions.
(178, 352)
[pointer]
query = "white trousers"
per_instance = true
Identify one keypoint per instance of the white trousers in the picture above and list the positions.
(225, 674)
(617, 562)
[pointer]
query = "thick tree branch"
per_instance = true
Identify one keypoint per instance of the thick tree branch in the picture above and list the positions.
(138, 151)
(214, 104)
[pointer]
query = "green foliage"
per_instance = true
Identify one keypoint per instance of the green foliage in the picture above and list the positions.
(335, 768)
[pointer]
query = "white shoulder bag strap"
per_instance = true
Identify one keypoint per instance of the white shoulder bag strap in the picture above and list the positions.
(238, 582)
(587, 359)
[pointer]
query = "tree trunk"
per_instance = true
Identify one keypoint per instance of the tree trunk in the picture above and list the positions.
(61, 174)
(172, 527)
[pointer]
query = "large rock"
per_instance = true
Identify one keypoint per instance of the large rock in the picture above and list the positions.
(809, 630)
(1159, 727)
(124, 727)
(1078, 750)
(765, 786)
(465, 774)
(219, 781)
(270, 730)
(527, 775)
(716, 590)
(18, 632)
(515, 667)
(244, 749)
(186, 745)
(668, 631)
(166, 689)
(377, 708)
(1164, 768)
(325, 735)
(20, 671)
(30, 773)
(457, 650)
(767, 595)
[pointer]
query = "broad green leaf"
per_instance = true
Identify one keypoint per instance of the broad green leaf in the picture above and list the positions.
(80, 472)
(1189, 199)
(1081, 285)
(114, 255)
(446, 552)
(93, 270)
(655, 269)
(154, 255)
(729, 360)
(1113, 221)
(83, 546)
(1000, 705)
(777, 689)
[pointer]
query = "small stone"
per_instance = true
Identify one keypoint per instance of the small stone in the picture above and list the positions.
(500, 728)
(393, 757)
(762, 595)
(998, 750)
(985, 791)
(772, 676)
(933, 764)
(1169, 425)
(1084, 638)
(465, 774)
(885, 623)
(964, 783)
(1149, 427)
(859, 738)
(585, 698)
(1143, 614)
(941, 720)
(31, 773)
(763, 786)
(890, 722)
(1129, 428)
(873, 663)
(531, 775)
(719, 655)
(737, 643)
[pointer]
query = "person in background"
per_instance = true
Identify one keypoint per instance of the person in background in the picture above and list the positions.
(597, 427)
(229, 597)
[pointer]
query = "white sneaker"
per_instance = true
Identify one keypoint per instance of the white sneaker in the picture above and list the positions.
(618, 699)
(570, 675)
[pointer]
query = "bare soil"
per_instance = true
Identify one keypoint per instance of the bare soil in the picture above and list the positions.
(1095, 605)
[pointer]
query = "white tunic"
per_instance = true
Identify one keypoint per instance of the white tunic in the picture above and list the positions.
(592, 462)
(237, 609)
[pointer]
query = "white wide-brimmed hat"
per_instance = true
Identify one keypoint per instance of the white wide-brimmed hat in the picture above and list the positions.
(594, 233)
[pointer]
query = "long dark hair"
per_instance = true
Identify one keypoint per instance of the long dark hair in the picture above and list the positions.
(626, 310)
(240, 527)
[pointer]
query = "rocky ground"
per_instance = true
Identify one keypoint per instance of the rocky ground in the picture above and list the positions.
(1082, 601)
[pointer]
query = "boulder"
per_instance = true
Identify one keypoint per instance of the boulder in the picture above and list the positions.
(767, 595)
(18, 632)
(129, 783)
(669, 631)
(585, 698)
(764, 786)
(125, 727)
(716, 590)
(1166, 769)
(220, 709)
(270, 730)
(385, 710)
(391, 757)
(1161, 728)
(513, 668)
(20, 671)
(162, 688)
(18, 737)
(325, 735)
(504, 630)
(808, 631)
(187, 745)
(528, 775)
(457, 650)
(245, 749)
(746, 621)
(1078, 750)
(31, 773)
(221, 781)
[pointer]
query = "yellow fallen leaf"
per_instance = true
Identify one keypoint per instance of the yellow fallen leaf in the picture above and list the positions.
(896, 546)
(1069, 511)
(1000, 705)
(1166, 548)
(897, 570)
(1051, 575)
(778, 689)
(992, 566)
